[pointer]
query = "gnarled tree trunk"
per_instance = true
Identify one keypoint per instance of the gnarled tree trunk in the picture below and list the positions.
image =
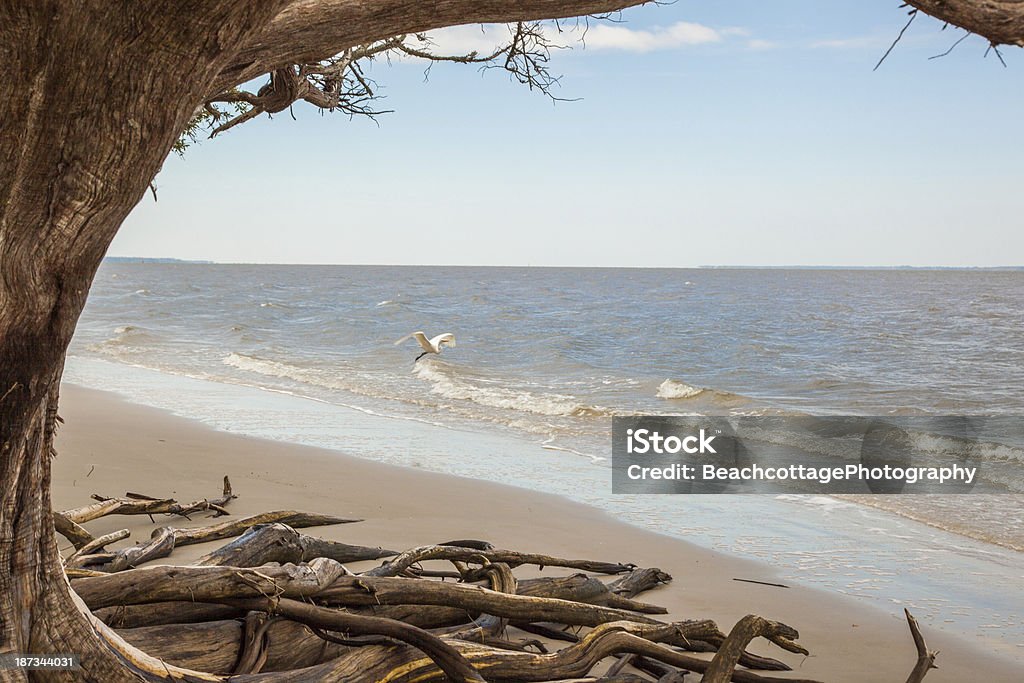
(96, 93)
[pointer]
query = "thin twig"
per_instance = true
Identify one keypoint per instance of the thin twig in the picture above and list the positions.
(953, 46)
(913, 15)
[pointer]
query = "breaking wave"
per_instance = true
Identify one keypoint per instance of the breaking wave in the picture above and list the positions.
(447, 385)
(672, 389)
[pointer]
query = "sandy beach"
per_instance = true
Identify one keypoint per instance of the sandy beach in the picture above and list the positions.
(110, 446)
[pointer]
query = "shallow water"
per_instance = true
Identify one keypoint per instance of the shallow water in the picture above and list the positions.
(552, 353)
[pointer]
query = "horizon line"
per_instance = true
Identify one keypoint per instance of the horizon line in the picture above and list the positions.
(171, 260)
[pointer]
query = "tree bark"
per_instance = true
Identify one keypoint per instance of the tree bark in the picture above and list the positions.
(999, 21)
(96, 94)
(311, 30)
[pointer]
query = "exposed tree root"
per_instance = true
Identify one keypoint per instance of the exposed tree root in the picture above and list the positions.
(277, 605)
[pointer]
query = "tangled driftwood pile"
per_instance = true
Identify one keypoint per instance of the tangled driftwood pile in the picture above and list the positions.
(276, 604)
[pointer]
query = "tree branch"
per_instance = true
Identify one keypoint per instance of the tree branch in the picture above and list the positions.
(309, 31)
(1001, 22)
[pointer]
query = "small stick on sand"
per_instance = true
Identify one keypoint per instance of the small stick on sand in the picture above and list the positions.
(763, 583)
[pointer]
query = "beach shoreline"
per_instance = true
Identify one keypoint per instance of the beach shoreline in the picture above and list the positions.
(110, 446)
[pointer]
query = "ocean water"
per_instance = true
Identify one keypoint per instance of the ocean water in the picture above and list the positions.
(545, 358)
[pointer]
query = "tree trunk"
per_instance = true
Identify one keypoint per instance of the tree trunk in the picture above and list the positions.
(96, 94)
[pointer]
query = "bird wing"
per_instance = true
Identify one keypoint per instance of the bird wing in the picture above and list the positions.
(419, 337)
(447, 338)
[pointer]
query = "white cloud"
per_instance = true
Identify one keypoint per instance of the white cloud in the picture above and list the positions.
(679, 34)
(598, 36)
(758, 44)
(460, 40)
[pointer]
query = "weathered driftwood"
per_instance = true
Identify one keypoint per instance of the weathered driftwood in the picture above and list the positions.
(405, 665)
(638, 581)
(165, 539)
(925, 657)
(71, 530)
(161, 613)
(746, 629)
(442, 654)
(98, 544)
(277, 542)
(483, 550)
(329, 583)
(207, 584)
(234, 527)
(140, 504)
(583, 588)
(578, 588)
(277, 605)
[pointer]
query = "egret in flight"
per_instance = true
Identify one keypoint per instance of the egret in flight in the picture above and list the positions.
(429, 345)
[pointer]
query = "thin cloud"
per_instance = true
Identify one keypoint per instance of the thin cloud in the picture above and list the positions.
(595, 37)
(679, 34)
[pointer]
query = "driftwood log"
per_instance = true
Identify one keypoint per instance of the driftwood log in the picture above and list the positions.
(274, 604)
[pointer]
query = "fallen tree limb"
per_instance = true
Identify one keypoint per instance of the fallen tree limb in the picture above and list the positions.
(162, 613)
(327, 582)
(638, 581)
(165, 539)
(207, 584)
(97, 544)
(578, 588)
(140, 504)
(406, 665)
(746, 629)
(583, 588)
(509, 557)
(278, 542)
(234, 527)
(71, 530)
(441, 653)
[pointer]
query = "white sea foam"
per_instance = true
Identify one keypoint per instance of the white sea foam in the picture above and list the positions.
(266, 367)
(673, 389)
(446, 384)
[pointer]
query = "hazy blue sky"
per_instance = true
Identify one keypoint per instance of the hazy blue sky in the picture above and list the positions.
(709, 132)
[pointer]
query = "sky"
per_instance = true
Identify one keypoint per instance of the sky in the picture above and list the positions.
(706, 132)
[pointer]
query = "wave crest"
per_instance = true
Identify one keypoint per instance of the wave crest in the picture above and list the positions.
(556, 405)
(672, 389)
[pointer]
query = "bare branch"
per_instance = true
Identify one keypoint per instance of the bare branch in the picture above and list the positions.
(340, 82)
(953, 46)
(913, 15)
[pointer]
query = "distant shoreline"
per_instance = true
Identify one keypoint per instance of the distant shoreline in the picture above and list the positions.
(148, 259)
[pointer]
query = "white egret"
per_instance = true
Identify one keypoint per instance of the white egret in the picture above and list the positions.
(429, 345)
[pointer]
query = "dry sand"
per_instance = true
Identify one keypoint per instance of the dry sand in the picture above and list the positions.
(133, 448)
